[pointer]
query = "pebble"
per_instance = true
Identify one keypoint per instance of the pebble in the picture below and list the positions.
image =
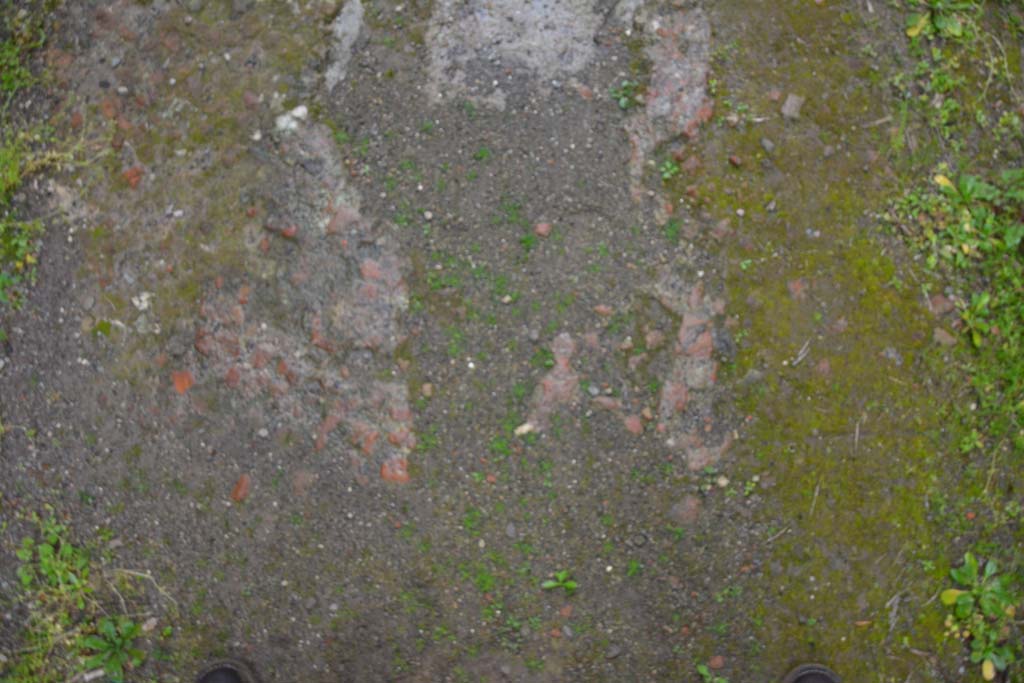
(943, 338)
(892, 354)
(791, 107)
(686, 511)
(767, 145)
(510, 530)
(941, 305)
(542, 229)
(613, 652)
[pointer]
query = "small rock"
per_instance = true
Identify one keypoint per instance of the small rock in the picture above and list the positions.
(149, 625)
(603, 310)
(427, 390)
(767, 145)
(890, 353)
(735, 161)
(525, 428)
(510, 530)
(685, 511)
(542, 229)
(791, 107)
(613, 652)
(828, 151)
(941, 305)
(194, 5)
(797, 289)
(716, 662)
(634, 425)
(943, 338)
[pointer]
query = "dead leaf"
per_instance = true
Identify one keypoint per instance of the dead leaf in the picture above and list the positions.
(917, 23)
(133, 176)
(241, 490)
(183, 380)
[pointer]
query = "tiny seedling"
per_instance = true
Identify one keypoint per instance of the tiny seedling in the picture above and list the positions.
(707, 677)
(669, 170)
(625, 94)
(562, 579)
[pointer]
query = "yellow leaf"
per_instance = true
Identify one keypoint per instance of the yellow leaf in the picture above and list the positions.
(918, 26)
(966, 248)
(30, 259)
(988, 670)
(943, 181)
(949, 596)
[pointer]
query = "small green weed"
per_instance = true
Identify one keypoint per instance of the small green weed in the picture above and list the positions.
(625, 94)
(112, 647)
(950, 19)
(562, 579)
(669, 169)
(67, 630)
(972, 232)
(708, 677)
(983, 613)
(19, 248)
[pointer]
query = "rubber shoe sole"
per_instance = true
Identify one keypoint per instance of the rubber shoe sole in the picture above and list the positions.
(227, 671)
(812, 673)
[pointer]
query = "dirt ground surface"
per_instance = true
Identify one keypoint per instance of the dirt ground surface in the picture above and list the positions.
(375, 315)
